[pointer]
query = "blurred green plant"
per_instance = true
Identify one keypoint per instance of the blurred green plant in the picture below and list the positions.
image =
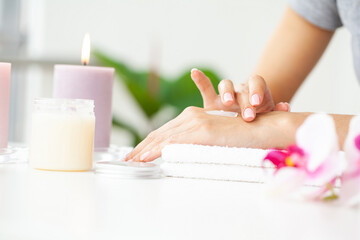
(152, 91)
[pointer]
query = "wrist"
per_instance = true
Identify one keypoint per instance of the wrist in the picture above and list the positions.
(278, 129)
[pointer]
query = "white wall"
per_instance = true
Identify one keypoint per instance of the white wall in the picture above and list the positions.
(227, 35)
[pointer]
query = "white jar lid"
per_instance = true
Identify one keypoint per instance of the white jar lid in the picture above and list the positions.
(122, 169)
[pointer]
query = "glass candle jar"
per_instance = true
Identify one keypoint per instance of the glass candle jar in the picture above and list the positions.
(62, 134)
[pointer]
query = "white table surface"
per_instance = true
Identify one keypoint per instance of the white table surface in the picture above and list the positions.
(38, 204)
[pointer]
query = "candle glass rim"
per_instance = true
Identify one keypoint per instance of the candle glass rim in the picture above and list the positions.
(63, 105)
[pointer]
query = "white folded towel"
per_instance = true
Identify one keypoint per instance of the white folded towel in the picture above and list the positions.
(214, 162)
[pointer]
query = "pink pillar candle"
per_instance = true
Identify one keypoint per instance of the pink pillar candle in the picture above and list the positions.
(5, 70)
(88, 82)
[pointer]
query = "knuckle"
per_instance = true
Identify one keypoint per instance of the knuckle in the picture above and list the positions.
(155, 141)
(257, 78)
(221, 85)
(244, 91)
(242, 87)
(245, 104)
(172, 139)
(226, 82)
(152, 135)
(205, 84)
(230, 82)
(238, 97)
(190, 110)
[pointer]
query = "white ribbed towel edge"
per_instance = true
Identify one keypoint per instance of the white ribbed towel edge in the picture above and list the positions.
(215, 162)
(191, 153)
(216, 172)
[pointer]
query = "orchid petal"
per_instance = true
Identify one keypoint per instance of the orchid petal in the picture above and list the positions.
(326, 172)
(277, 158)
(294, 149)
(297, 156)
(287, 180)
(357, 142)
(352, 153)
(317, 137)
(350, 191)
(350, 187)
(319, 192)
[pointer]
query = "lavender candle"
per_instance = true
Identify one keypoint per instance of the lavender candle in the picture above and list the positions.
(88, 82)
(5, 70)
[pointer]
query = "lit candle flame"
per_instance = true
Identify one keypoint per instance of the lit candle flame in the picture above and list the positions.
(85, 53)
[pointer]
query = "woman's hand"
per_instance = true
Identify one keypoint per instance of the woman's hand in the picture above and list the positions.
(195, 126)
(251, 98)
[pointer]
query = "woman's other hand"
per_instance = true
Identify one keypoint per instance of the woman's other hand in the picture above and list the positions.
(252, 97)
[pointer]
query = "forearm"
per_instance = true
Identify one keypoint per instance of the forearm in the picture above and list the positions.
(278, 129)
(291, 54)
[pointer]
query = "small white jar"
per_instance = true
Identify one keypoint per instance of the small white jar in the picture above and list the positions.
(62, 134)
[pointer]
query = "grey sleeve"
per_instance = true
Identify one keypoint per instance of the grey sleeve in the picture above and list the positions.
(322, 13)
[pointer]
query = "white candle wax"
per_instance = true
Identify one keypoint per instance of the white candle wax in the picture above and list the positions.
(62, 135)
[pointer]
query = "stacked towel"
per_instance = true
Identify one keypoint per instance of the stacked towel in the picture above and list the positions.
(215, 162)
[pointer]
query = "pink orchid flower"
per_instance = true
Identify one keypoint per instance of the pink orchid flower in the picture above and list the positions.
(350, 179)
(313, 160)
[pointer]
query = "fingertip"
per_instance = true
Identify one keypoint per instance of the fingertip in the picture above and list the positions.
(148, 160)
(195, 73)
(282, 106)
(144, 156)
(248, 114)
(194, 69)
(194, 76)
(150, 155)
(249, 119)
(136, 158)
(288, 107)
(127, 157)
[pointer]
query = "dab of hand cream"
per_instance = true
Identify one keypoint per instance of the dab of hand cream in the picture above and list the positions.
(222, 113)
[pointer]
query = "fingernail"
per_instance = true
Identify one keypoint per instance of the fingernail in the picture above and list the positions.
(144, 156)
(194, 69)
(249, 113)
(255, 100)
(228, 97)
